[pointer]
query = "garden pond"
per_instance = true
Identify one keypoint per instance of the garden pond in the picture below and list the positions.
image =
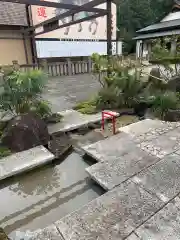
(38, 198)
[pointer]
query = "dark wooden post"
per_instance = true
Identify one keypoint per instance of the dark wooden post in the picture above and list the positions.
(32, 38)
(44, 65)
(89, 65)
(69, 65)
(109, 27)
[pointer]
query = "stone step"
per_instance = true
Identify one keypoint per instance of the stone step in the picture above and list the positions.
(73, 120)
(148, 129)
(110, 148)
(48, 233)
(111, 173)
(164, 225)
(114, 215)
(162, 179)
(24, 161)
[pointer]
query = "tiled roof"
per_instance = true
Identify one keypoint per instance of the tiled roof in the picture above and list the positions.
(157, 34)
(12, 14)
(166, 25)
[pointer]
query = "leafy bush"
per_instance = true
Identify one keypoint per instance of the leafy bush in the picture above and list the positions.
(107, 98)
(124, 87)
(21, 90)
(41, 108)
(129, 86)
(6, 70)
(163, 102)
(159, 49)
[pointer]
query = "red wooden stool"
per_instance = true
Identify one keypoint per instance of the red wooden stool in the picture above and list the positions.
(109, 114)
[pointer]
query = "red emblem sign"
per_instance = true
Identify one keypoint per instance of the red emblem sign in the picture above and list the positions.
(42, 12)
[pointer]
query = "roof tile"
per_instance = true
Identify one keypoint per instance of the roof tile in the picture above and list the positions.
(12, 14)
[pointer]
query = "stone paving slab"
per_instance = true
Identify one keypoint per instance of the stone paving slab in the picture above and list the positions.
(73, 120)
(110, 148)
(112, 173)
(24, 161)
(164, 144)
(133, 237)
(148, 129)
(164, 225)
(48, 233)
(162, 179)
(116, 213)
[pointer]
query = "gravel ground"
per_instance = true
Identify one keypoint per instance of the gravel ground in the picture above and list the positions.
(64, 92)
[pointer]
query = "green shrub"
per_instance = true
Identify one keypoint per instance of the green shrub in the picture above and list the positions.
(6, 70)
(163, 102)
(129, 87)
(41, 108)
(107, 98)
(21, 90)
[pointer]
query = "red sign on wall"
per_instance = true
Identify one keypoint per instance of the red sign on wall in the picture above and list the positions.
(41, 11)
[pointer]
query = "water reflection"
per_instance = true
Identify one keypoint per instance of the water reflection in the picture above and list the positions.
(38, 182)
(39, 198)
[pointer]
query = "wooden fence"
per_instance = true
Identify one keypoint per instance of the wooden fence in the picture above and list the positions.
(62, 68)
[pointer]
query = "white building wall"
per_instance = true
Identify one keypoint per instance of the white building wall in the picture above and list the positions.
(48, 49)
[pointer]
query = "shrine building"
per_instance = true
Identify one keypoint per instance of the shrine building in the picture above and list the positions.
(167, 27)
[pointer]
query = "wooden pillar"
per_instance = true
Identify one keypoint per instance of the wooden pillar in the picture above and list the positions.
(173, 46)
(89, 65)
(25, 49)
(149, 48)
(44, 65)
(69, 66)
(109, 27)
(32, 38)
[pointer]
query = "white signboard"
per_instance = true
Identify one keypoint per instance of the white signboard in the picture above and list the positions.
(90, 31)
(48, 49)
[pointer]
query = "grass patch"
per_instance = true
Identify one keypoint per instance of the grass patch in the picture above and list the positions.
(86, 107)
(4, 152)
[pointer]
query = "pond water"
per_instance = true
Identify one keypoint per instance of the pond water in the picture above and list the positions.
(38, 198)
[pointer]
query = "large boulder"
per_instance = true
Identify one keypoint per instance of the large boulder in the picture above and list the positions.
(24, 132)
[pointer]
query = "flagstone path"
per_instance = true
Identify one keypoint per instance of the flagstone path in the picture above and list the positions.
(140, 169)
